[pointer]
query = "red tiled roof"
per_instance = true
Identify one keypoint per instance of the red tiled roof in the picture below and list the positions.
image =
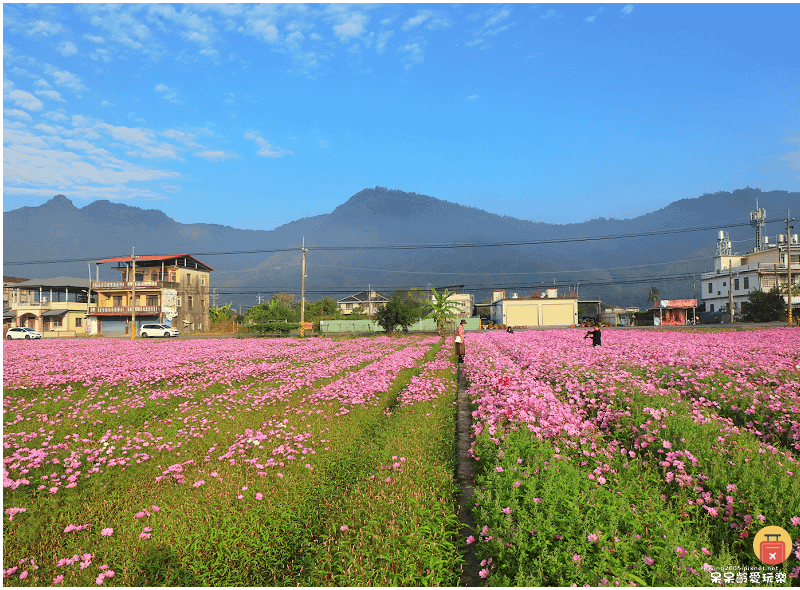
(145, 258)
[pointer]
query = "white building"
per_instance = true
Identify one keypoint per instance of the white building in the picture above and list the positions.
(735, 276)
(541, 309)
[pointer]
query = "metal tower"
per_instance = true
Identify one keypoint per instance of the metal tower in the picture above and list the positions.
(758, 219)
(723, 244)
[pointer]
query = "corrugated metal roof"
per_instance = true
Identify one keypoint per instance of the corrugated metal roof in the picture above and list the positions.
(149, 258)
(69, 282)
(53, 312)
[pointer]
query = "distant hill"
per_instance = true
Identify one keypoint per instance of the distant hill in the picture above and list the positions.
(381, 216)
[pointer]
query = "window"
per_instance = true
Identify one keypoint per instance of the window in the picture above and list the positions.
(746, 283)
(188, 279)
(152, 300)
(56, 322)
(711, 307)
(117, 300)
(179, 300)
(172, 276)
(724, 283)
(78, 322)
(190, 298)
(710, 288)
(139, 276)
(154, 276)
(202, 280)
(735, 284)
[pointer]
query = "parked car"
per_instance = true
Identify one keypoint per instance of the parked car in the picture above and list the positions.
(148, 330)
(19, 333)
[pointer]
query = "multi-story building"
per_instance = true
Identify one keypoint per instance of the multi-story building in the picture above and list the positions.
(465, 301)
(55, 307)
(369, 301)
(166, 289)
(735, 275)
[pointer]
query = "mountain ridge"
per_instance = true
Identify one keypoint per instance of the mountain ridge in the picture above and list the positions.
(381, 216)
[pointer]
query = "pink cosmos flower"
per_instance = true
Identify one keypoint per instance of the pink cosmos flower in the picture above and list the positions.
(796, 520)
(388, 480)
(506, 510)
(470, 540)
(576, 557)
(681, 551)
(516, 484)
(23, 575)
(483, 573)
(499, 469)
(648, 560)
(704, 550)
(155, 508)
(592, 537)
(344, 528)
(107, 532)
(259, 496)
(58, 579)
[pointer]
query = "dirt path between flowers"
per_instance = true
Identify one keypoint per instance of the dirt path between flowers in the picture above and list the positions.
(466, 481)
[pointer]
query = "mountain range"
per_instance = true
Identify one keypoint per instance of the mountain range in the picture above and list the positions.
(618, 270)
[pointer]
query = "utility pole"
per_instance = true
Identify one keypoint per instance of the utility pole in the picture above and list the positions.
(214, 297)
(133, 295)
(730, 288)
(259, 298)
(789, 264)
(303, 291)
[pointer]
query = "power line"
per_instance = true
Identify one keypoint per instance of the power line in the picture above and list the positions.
(433, 246)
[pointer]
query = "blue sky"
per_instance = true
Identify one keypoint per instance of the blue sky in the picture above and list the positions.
(255, 115)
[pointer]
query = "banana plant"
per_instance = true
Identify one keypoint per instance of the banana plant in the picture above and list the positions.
(442, 310)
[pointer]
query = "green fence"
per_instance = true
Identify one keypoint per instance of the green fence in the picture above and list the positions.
(361, 326)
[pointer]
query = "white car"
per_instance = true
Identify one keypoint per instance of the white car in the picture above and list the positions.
(26, 333)
(149, 330)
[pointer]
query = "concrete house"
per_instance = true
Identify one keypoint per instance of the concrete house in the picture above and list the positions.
(545, 308)
(56, 307)
(369, 301)
(169, 289)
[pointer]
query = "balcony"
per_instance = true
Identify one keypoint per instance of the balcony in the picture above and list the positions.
(125, 285)
(125, 310)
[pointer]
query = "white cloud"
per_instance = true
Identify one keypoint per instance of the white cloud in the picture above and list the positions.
(43, 83)
(590, 19)
(183, 137)
(55, 116)
(414, 52)
(93, 38)
(46, 128)
(266, 147)
(25, 100)
(105, 103)
(793, 158)
(215, 155)
(417, 20)
(44, 28)
(67, 48)
(101, 55)
(169, 93)
(503, 14)
(229, 98)
(473, 97)
(627, 9)
(68, 80)
(322, 144)
(791, 140)
(143, 139)
(51, 94)
(17, 113)
(383, 38)
(551, 13)
(353, 26)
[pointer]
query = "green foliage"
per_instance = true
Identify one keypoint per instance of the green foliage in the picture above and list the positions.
(764, 307)
(221, 313)
(358, 313)
(654, 295)
(396, 313)
(276, 309)
(441, 309)
(273, 327)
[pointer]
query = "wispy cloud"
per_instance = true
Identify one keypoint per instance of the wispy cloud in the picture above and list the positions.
(215, 155)
(491, 27)
(473, 97)
(51, 94)
(266, 147)
(551, 13)
(168, 93)
(17, 113)
(67, 48)
(413, 54)
(68, 80)
(44, 28)
(627, 9)
(793, 158)
(25, 100)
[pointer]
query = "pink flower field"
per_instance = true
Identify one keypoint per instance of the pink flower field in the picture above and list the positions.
(653, 459)
(121, 448)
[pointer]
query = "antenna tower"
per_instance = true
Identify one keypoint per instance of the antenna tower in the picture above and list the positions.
(757, 220)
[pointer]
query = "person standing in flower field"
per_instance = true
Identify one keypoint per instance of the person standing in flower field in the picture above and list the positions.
(595, 335)
(461, 347)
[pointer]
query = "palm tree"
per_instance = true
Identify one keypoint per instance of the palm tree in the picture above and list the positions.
(654, 295)
(442, 310)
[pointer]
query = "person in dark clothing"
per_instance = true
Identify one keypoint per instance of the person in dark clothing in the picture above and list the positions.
(510, 330)
(594, 334)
